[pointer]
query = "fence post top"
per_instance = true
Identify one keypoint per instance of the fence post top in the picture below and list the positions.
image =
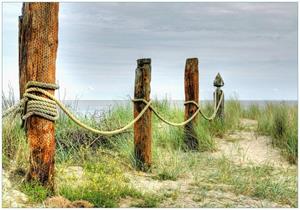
(192, 60)
(143, 61)
(218, 82)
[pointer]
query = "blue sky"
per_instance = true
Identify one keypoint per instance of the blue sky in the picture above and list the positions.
(252, 45)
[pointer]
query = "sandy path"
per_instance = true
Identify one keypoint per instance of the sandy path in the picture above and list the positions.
(245, 147)
(241, 147)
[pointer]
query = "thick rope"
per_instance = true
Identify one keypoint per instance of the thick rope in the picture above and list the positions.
(46, 107)
(216, 108)
(18, 107)
(32, 104)
(163, 119)
(37, 105)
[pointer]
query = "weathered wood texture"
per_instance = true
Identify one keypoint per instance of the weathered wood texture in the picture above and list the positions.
(38, 48)
(217, 96)
(218, 83)
(22, 73)
(143, 127)
(191, 87)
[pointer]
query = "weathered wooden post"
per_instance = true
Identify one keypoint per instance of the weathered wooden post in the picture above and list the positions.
(218, 83)
(191, 86)
(22, 73)
(38, 41)
(143, 127)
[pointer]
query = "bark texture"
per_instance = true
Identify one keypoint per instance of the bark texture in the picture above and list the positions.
(38, 39)
(143, 127)
(22, 73)
(191, 87)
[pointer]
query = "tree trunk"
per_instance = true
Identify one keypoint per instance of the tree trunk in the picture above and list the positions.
(38, 41)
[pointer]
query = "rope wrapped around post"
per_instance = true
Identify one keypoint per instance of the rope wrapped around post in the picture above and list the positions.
(32, 104)
(216, 107)
(37, 105)
(46, 107)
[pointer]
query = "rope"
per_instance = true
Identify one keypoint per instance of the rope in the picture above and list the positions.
(46, 107)
(14, 109)
(32, 104)
(216, 108)
(37, 105)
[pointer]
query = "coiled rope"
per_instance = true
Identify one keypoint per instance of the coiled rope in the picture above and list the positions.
(32, 104)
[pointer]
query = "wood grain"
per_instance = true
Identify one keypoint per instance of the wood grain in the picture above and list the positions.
(191, 88)
(38, 41)
(143, 127)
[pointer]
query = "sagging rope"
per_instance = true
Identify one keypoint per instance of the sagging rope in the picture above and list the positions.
(216, 108)
(32, 104)
(44, 107)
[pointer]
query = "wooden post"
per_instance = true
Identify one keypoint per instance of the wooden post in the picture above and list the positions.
(218, 83)
(143, 127)
(22, 73)
(191, 86)
(39, 41)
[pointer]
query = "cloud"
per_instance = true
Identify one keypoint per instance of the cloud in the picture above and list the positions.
(252, 45)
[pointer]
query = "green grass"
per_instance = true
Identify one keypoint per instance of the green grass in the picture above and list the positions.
(252, 112)
(14, 143)
(233, 112)
(262, 182)
(105, 160)
(35, 191)
(280, 121)
(149, 201)
(103, 183)
(168, 165)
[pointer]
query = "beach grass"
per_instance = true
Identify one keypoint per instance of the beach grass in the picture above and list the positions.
(280, 121)
(106, 160)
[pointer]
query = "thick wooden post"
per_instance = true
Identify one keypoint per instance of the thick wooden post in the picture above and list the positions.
(218, 83)
(191, 87)
(143, 127)
(22, 73)
(39, 41)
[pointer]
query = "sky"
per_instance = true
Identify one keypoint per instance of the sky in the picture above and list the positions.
(252, 45)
